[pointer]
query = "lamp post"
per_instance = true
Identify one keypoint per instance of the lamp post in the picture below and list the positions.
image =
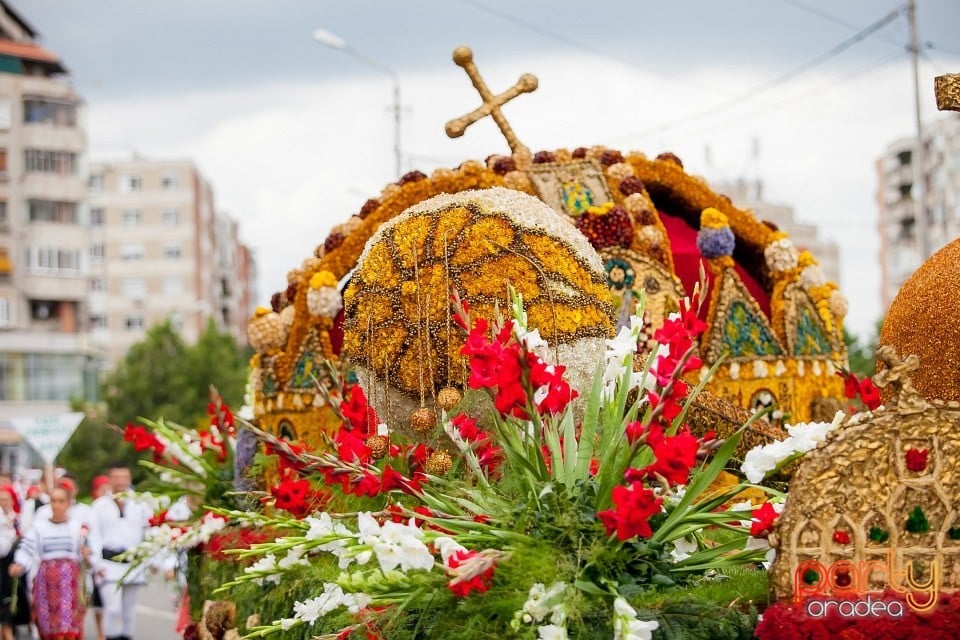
(334, 41)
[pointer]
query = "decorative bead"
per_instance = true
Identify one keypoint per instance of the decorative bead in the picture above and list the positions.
(368, 207)
(378, 445)
(610, 156)
(439, 463)
(412, 176)
(670, 157)
(334, 240)
(423, 420)
(541, 157)
(448, 398)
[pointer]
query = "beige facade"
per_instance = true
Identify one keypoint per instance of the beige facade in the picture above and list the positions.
(901, 230)
(748, 194)
(159, 251)
(46, 355)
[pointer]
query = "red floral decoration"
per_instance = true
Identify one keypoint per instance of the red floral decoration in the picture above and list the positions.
(478, 583)
(143, 440)
(841, 537)
(294, 496)
(917, 459)
(675, 456)
(763, 520)
(634, 505)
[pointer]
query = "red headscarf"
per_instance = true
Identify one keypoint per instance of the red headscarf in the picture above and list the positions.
(13, 495)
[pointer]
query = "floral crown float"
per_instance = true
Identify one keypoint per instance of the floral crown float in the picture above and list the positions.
(583, 235)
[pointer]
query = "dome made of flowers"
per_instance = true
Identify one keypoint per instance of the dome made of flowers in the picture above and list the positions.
(923, 320)
(399, 331)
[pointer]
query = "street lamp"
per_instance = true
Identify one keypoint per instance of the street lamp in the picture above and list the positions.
(334, 41)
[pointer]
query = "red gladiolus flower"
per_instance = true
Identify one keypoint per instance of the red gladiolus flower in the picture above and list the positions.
(634, 505)
(357, 411)
(143, 440)
(917, 459)
(208, 440)
(391, 479)
(158, 518)
(841, 537)
(869, 394)
(292, 496)
(351, 448)
(466, 426)
(763, 519)
(851, 384)
(479, 583)
(676, 455)
(634, 431)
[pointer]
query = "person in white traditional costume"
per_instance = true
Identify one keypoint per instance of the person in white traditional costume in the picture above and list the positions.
(55, 550)
(122, 522)
(14, 601)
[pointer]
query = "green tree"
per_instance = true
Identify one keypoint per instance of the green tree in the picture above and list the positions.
(153, 380)
(862, 353)
(162, 376)
(93, 446)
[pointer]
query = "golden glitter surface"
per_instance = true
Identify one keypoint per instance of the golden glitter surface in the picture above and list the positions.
(924, 320)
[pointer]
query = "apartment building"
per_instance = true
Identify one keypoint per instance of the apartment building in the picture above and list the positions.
(160, 251)
(46, 357)
(903, 235)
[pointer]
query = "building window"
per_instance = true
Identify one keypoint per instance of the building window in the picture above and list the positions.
(40, 110)
(134, 323)
(135, 288)
(50, 260)
(95, 183)
(5, 315)
(132, 217)
(171, 217)
(171, 252)
(97, 253)
(131, 183)
(3, 161)
(98, 284)
(3, 213)
(169, 181)
(173, 286)
(98, 321)
(44, 161)
(98, 217)
(52, 376)
(51, 211)
(132, 252)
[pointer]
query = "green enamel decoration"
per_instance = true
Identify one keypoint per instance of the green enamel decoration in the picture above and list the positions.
(878, 534)
(811, 339)
(917, 521)
(953, 533)
(304, 372)
(746, 335)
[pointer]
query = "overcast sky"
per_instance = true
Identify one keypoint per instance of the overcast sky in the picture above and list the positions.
(295, 136)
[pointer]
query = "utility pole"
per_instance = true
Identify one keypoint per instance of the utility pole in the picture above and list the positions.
(920, 204)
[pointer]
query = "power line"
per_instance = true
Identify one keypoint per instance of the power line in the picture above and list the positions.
(803, 6)
(773, 82)
(792, 102)
(577, 44)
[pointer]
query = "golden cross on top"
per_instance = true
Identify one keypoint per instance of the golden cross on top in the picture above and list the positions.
(463, 56)
(947, 89)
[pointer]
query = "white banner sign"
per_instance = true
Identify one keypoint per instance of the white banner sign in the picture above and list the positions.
(48, 434)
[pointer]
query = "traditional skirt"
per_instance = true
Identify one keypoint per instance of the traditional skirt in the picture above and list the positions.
(57, 600)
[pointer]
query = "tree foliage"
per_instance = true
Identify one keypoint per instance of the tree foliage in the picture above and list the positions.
(161, 376)
(862, 352)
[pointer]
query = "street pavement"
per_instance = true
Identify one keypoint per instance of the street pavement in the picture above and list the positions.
(156, 614)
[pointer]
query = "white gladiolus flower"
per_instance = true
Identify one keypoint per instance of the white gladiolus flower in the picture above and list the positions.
(803, 437)
(447, 548)
(293, 558)
(551, 632)
(625, 623)
(683, 548)
(288, 623)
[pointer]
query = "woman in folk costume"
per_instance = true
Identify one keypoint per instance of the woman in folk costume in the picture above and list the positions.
(57, 547)
(14, 607)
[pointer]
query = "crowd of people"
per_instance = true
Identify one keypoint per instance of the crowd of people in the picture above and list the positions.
(59, 557)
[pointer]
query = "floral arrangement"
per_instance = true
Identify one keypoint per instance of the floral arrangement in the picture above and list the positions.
(537, 524)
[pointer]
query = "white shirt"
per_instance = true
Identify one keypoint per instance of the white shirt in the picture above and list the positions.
(48, 540)
(121, 532)
(77, 511)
